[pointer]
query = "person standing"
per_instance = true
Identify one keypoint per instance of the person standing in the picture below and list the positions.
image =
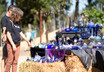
(14, 35)
(28, 35)
(4, 22)
(33, 36)
(80, 22)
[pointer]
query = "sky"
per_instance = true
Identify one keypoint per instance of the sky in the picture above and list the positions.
(82, 4)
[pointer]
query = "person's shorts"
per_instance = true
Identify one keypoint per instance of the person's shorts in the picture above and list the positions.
(5, 53)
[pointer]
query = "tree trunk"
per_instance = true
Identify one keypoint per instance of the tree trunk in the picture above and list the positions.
(56, 20)
(103, 8)
(47, 35)
(76, 10)
(62, 19)
(47, 30)
(40, 26)
(51, 25)
(12, 1)
(89, 3)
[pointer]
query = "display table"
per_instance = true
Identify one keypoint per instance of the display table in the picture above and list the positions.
(66, 34)
(72, 63)
(85, 55)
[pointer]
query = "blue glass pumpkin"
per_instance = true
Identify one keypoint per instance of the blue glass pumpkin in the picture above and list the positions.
(97, 25)
(74, 48)
(49, 46)
(67, 30)
(74, 29)
(91, 24)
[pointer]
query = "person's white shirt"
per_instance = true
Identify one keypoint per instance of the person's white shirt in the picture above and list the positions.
(28, 34)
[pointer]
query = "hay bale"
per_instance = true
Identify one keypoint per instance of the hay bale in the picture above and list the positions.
(42, 67)
(53, 67)
(24, 67)
(74, 64)
(21, 67)
(30, 67)
(35, 67)
(61, 66)
(48, 67)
